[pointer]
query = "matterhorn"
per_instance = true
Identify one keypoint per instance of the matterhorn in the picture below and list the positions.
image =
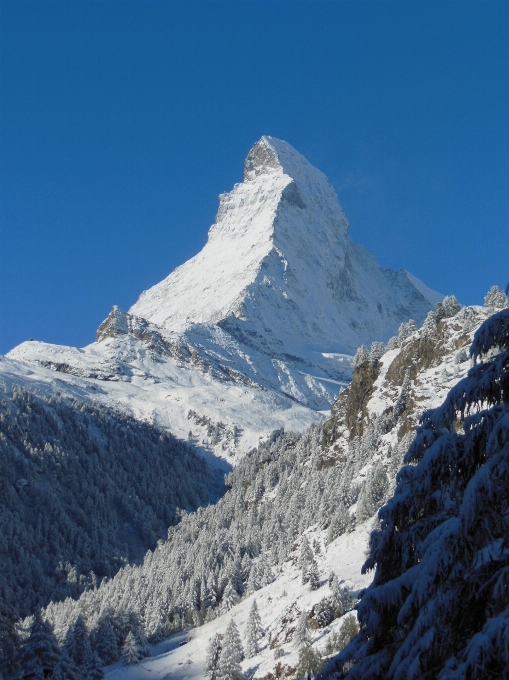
(255, 332)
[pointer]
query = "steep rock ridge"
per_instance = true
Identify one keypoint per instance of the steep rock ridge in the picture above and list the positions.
(280, 272)
(257, 331)
(411, 377)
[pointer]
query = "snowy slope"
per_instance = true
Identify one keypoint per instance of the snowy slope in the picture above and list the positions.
(422, 365)
(346, 554)
(160, 392)
(257, 331)
(182, 656)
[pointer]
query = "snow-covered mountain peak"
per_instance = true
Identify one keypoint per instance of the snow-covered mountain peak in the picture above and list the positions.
(279, 271)
(274, 231)
(275, 304)
(271, 156)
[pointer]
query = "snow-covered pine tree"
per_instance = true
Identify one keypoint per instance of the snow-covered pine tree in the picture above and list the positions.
(376, 351)
(87, 658)
(130, 650)
(313, 575)
(496, 299)
(143, 648)
(76, 640)
(232, 654)
(438, 606)
(339, 639)
(447, 308)
(264, 571)
(253, 584)
(305, 559)
(94, 668)
(230, 598)
(361, 356)
(211, 667)
(302, 637)
(65, 669)
(106, 645)
(41, 648)
(373, 492)
(309, 663)
(254, 631)
(337, 595)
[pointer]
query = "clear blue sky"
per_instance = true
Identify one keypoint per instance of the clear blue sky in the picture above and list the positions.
(121, 122)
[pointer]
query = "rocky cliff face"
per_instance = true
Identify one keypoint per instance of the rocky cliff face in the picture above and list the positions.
(412, 376)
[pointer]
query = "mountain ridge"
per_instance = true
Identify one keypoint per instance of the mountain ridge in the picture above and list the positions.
(258, 329)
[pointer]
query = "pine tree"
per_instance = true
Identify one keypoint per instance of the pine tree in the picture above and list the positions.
(447, 308)
(230, 598)
(65, 669)
(130, 651)
(302, 637)
(361, 356)
(94, 668)
(495, 299)
(305, 559)
(41, 649)
(313, 576)
(253, 583)
(264, 572)
(232, 654)
(106, 645)
(76, 640)
(86, 660)
(139, 635)
(254, 631)
(310, 662)
(211, 667)
(339, 639)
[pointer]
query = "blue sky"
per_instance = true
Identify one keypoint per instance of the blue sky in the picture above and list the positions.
(121, 122)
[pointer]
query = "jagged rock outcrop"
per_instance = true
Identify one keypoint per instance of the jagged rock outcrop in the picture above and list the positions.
(114, 325)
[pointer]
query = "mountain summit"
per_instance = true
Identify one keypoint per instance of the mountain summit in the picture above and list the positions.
(279, 270)
(254, 333)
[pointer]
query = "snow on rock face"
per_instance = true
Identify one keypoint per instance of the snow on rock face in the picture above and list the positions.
(279, 271)
(115, 324)
(274, 306)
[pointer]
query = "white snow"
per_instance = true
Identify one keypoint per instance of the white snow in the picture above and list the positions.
(345, 556)
(258, 329)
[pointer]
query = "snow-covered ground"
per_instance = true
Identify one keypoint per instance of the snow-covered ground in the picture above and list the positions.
(163, 393)
(182, 656)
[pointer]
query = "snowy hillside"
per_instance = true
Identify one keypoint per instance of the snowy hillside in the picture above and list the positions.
(254, 333)
(296, 502)
(438, 606)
